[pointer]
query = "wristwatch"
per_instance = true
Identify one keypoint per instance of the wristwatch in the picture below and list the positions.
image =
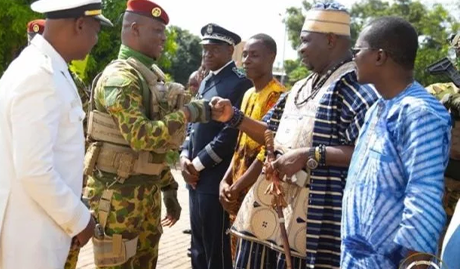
(312, 162)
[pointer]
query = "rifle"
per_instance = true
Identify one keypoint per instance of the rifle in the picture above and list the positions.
(450, 101)
(276, 190)
(447, 68)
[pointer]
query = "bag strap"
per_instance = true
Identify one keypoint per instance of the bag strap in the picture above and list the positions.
(104, 207)
(91, 96)
(148, 78)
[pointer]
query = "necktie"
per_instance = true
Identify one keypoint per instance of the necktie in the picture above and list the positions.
(204, 84)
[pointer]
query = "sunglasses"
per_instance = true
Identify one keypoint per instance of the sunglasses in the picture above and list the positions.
(356, 50)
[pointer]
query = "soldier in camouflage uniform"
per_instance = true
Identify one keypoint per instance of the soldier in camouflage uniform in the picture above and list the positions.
(449, 95)
(136, 120)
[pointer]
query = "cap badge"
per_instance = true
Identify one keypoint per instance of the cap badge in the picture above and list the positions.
(209, 29)
(93, 12)
(36, 28)
(156, 12)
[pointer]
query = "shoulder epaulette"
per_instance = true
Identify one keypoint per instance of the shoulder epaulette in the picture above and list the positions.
(47, 64)
(238, 72)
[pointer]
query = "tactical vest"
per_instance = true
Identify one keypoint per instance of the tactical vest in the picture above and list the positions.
(109, 151)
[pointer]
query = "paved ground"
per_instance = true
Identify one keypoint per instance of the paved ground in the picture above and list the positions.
(173, 243)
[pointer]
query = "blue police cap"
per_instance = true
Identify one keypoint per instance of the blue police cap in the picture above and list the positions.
(215, 34)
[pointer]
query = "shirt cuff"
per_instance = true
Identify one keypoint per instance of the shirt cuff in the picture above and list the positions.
(79, 222)
(197, 164)
(184, 153)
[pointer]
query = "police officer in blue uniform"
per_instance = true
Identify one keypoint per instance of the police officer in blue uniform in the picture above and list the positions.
(208, 152)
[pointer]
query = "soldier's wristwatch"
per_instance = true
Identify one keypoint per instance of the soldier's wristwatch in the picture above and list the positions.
(312, 162)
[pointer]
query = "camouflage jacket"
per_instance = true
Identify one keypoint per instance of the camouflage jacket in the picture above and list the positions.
(119, 93)
(449, 95)
(438, 90)
(84, 95)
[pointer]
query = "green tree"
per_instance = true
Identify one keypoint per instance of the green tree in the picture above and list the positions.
(14, 36)
(14, 18)
(295, 71)
(294, 22)
(434, 24)
(187, 57)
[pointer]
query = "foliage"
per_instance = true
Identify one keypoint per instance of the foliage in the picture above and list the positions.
(14, 18)
(109, 39)
(294, 22)
(434, 24)
(79, 68)
(181, 56)
(187, 57)
(295, 71)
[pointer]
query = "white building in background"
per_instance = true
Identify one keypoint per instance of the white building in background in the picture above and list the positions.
(238, 54)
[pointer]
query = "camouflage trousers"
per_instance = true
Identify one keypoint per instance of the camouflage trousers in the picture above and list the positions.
(72, 259)
(135, 211)
(450, 200)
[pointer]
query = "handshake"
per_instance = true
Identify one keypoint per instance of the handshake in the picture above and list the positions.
(218, 109)
(203, 111)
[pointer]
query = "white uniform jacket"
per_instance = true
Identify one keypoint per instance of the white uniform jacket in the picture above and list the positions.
(41, 160)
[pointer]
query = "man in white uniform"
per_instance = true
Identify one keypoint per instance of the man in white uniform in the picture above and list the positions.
(42, 142)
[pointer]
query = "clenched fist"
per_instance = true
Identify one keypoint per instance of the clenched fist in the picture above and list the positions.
(221, 109)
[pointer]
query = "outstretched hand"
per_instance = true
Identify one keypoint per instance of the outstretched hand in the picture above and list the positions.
(221, 109)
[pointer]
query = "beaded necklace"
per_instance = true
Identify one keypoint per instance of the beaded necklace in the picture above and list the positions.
(318, 84)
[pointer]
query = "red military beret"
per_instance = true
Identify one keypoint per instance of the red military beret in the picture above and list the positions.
(36, 26)
(149, 9)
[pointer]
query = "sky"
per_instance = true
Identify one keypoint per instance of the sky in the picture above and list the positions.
(244, 17)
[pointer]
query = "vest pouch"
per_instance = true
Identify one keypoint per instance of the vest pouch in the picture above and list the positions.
(92, 153)
(113, 251)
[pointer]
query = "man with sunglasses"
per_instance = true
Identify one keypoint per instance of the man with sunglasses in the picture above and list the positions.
(392, 205)
(316, 126)
(42, 142)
